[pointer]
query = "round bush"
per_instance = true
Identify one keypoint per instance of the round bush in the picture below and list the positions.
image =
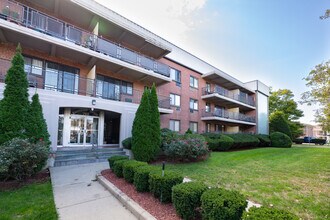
(269, 214)
(161, 186)
(264, 140)
(118, 167)
(115, 158)
(20, 159)
(244, 140)
(225, 143)
(186, 198)
(141, 177)
(221, 204)
(279, 139)
(213, 144)
(129, 169)
(127, 143)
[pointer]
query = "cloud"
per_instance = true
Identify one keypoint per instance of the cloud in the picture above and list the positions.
(171, 19)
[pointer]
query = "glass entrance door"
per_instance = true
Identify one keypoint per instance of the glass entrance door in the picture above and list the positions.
(83, 130)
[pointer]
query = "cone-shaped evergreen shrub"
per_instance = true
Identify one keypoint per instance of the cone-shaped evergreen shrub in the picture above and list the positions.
(36, 127)
(15, 104)
(154, 120)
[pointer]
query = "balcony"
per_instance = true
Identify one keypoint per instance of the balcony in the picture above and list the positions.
(74, 84)
(227, 98)
(103, 52)
(226, 116)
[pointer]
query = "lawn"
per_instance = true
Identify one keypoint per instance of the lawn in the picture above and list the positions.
(296, 179)
(33, 201)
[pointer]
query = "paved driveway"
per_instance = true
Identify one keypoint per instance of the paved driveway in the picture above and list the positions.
(79, 196)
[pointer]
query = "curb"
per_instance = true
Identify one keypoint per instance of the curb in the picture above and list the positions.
(131, 205)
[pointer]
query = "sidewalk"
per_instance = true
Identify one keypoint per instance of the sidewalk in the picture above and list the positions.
(78, 196)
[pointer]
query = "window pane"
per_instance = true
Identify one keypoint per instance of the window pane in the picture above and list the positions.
(191, 81)
(177, 100)
(27, 65)
(130, 88)
(36, 67)
(195, 105)
(172, 99)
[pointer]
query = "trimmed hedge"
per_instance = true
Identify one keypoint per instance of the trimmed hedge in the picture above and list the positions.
(264, 140)
(244, 140)
(118, 167)
(141, 177)
(129, 169)
(127, 143)
(186, 198)
(269, 214)
(279, 139)
(298, 140)
(222, 204)
(219, 142)
(161, 186)
(115, 158)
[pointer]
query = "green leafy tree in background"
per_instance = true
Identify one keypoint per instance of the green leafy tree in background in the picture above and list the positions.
(282, 101)
(278, 123)
(318, 80)
(15, 103)
(326, 14)
(37, 127)
(154, 120)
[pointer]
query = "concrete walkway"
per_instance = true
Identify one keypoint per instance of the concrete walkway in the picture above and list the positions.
(79, 196)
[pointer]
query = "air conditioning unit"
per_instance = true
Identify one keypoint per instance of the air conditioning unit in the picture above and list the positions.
(191, 110)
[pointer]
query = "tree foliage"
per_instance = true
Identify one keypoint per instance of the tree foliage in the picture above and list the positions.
(146, 127)
(282, 101)
(278, 123)
(15, 103)
(318, 80)
(37, 127)
(326, 15)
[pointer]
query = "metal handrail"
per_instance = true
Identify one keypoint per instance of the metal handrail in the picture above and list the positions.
(39, 21)
(221, 113)
(225, 92)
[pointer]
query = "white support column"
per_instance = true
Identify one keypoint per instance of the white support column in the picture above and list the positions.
(66, 127)
(101, 128)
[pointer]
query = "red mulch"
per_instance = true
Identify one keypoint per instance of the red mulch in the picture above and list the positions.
(146, 200)
(40, 177)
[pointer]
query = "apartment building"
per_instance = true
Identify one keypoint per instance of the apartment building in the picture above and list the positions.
(90, 66)
(315, 131)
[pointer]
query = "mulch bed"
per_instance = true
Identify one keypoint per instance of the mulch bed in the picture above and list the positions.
(160, 211)
(40, 177)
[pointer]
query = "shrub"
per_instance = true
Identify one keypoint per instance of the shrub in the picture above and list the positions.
(118, 167)
(115, 158)
(221, 143)
(186, 198)
(298, 140)
(186, 147)
(269, 214)
(211, 135)
(264, 140)
(141, 177)
(127, 143)
(167, 136)
(244, 140)
(161, 186)
(154, 121)
(223, 204)
(278, 123)
(279, 139)
(129, 169)
(20, 159)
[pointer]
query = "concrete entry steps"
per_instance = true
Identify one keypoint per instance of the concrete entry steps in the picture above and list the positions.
(74, 156)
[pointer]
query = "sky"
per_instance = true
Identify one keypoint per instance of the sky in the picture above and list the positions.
(275, 41)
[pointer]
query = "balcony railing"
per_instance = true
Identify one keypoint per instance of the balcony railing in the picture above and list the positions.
(229, 115)
(74, 84)
(224, 92)
(38, 21)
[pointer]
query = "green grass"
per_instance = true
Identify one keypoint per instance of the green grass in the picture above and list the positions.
(296, 179)
(33, 201)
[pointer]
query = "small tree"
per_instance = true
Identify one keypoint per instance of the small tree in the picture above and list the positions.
(15, 104)
(154, 120)
(278, 123)
(37, 127)
(141, 131)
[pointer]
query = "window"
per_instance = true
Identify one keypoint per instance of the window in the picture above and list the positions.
(207, 107)
(193, 126)
(174, 125)
(193, 105)
(127, 88)
(193, 82)
(208, 87)
(175, 75)
(175, 100)
(33, 66)
(110, 88)
(208, 127)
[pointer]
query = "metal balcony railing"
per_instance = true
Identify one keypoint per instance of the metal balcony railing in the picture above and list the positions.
(228, 115)
(38, 21)
(74, 84)
(224, 92)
